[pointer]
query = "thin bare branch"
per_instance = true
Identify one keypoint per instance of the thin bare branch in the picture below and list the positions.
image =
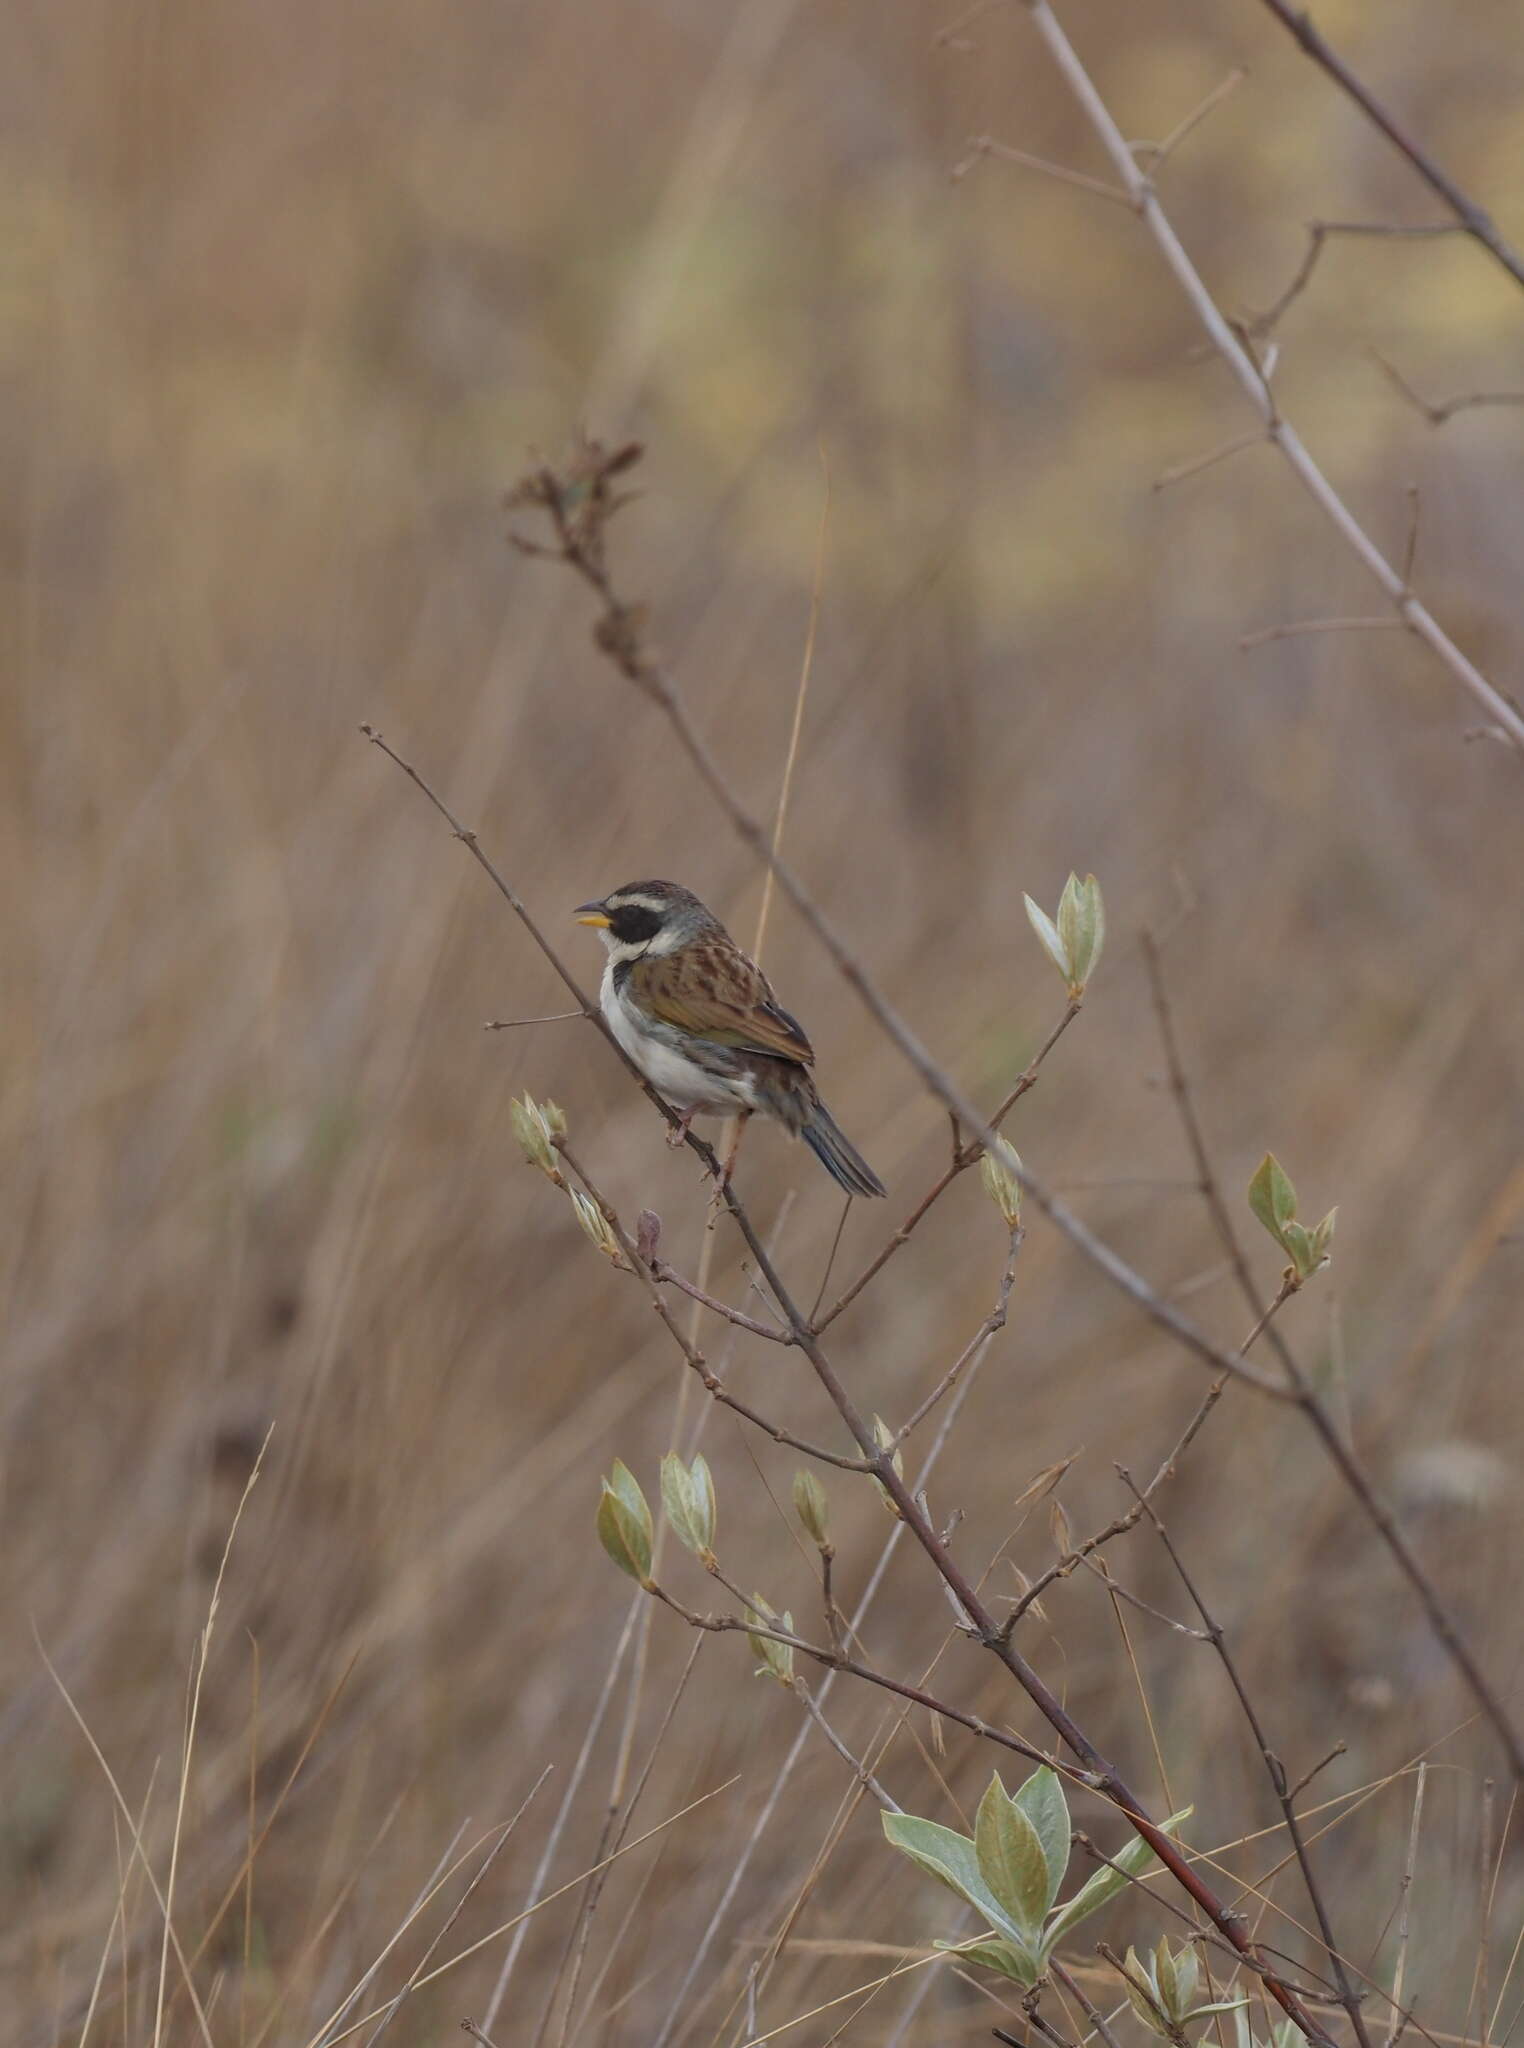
(1297, 629)
(1437, 411)
(1349, 1998)
(858, 1768)
(981, 146)
(1334, 1440)
(1129, 1519)
(1319, 233)
(1156, 154)
(1240, 359)
(830, 1660)
(518, 1023)
(1321, 1765)
(993, 1322)
(1097, 2019)
(1182, 470)
(668, 1276)
(712, 1384)
(1475, 221)
(1117, 1591)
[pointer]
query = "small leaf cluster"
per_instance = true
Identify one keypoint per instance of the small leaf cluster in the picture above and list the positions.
(1012, 1870)
(625, 1527)
(687, 1496)
(624, 1524)
(813, 1509)
(774, 1660)
(537, 1125)
(1073, 940)
(1168, 2004)
(597, 1228)
(1273, 1200)
(1000, 1170)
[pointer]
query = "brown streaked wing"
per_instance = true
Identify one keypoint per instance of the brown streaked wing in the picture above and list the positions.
(715, 992)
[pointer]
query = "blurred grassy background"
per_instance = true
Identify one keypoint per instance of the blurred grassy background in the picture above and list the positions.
(287, 293)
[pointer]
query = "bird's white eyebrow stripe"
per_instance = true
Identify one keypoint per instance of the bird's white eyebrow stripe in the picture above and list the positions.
(638, 903)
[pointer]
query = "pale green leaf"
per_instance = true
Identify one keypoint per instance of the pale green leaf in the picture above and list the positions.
(1272, 1197)
(1097, 924)
(1299, 1249)
(1047, 931)
(1081, 927)
(677, 1499)
(622, 1481)
(623, 1536)
(705, 1507)
(1003, 1956)
(1011, 1859)
(952, 1859)
(1164, 1976)
(1103, 1885)
(774, 1660)
(998, 1170)
(1322, 1237)
(812, 1507)
(688, 1500)
(1146, 2004)
(532, 1132)
(1042, 1800)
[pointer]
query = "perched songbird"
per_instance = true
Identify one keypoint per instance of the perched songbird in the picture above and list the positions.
(700, 1021)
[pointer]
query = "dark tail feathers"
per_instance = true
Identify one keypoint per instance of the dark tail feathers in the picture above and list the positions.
(841, 1160)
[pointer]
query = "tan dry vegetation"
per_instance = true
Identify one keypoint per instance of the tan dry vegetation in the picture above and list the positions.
(287, 293)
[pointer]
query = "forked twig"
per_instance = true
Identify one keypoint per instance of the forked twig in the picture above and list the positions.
(1473, 219)
(1237, 352)
(1348, 1997)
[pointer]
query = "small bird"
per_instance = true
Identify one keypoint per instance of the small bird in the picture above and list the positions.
(700, 1021)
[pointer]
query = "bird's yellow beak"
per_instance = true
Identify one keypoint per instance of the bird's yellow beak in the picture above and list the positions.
(592, 913)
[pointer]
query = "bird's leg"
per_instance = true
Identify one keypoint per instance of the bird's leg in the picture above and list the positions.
(729, 1166)
(677, 1133)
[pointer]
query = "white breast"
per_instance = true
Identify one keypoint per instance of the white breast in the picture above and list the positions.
(683, 1084)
